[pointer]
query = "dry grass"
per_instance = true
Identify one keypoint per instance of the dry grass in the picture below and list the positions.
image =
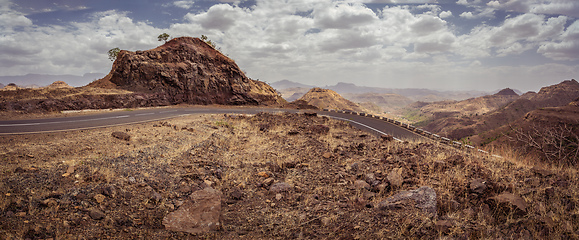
(236, 154)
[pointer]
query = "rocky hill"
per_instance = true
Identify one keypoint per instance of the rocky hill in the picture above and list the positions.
(187, 70)
(59, 84)
(325, 98)
(184, 70)
(292, 94)
(466, 121)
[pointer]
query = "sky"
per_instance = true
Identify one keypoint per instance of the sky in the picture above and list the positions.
(437, 44)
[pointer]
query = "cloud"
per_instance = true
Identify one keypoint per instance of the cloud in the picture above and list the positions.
(567, 48)
(185, 4)
(562, 7)
(515, 35)
(400, 1)
(220, 16)
(343, 16)
(445, 14)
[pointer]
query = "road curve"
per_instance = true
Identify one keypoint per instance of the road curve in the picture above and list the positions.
(123, 117)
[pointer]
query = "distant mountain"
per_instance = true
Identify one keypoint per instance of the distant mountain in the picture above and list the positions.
(466, 120)
(41, 80)
(416, 94)
(290, 90)
(386, 102)
(285, 84)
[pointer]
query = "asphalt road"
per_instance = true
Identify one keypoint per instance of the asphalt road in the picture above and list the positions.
(123, 117)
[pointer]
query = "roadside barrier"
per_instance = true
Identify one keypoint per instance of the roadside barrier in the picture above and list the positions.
(416, 130)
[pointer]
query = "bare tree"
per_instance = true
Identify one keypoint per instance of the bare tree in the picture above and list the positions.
(557, 144)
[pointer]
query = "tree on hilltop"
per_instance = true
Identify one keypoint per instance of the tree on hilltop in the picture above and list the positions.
(209, 42)
(113, 53)
(163, 37)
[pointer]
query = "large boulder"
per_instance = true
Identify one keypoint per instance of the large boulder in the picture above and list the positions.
(201, 213)
(423, 198)
(187, 70)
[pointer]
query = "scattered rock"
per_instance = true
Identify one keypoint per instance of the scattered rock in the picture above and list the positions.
(395, 177)
(208, 183)
(69, 171)
(278, 196)
(443, 225)
(542, 172)
(423, 198)
(99, 198)
(478, 186)
(327, 155)
(319, 129)
(293, 132)
(122, 135)
(268, 181)
(354, 167)
(201, 213)
(511, 201)
(549, 193)
(236, 194)
(280, 187)
(156, 197)
(274, 167)
(96, 214)
(51, 202)
(263, 174)
(361, 184)
(380, 187)
(387, 138)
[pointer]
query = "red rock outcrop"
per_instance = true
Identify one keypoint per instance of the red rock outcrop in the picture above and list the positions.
(187, 70)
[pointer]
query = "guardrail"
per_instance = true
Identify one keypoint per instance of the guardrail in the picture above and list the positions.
(416, 130)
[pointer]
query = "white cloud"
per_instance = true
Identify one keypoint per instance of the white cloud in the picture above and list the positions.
(343, 16)
(467, 15)
(565, 49)
(185, 4)
(564, 7)
(515, 35)
(467, 2)
(220, 16)
(445, 14)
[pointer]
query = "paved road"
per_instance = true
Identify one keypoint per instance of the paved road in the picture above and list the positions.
(123, 117)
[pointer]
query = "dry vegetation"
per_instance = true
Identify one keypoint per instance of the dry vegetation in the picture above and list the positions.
(87, 184)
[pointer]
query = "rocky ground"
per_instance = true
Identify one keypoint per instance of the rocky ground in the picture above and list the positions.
(272, 176)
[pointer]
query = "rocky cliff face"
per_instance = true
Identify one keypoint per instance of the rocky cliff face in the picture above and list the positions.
(187, 70)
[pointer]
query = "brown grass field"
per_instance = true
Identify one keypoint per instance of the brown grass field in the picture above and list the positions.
(51, 183)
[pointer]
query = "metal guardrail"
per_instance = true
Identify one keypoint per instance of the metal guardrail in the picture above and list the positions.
(416, 130)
